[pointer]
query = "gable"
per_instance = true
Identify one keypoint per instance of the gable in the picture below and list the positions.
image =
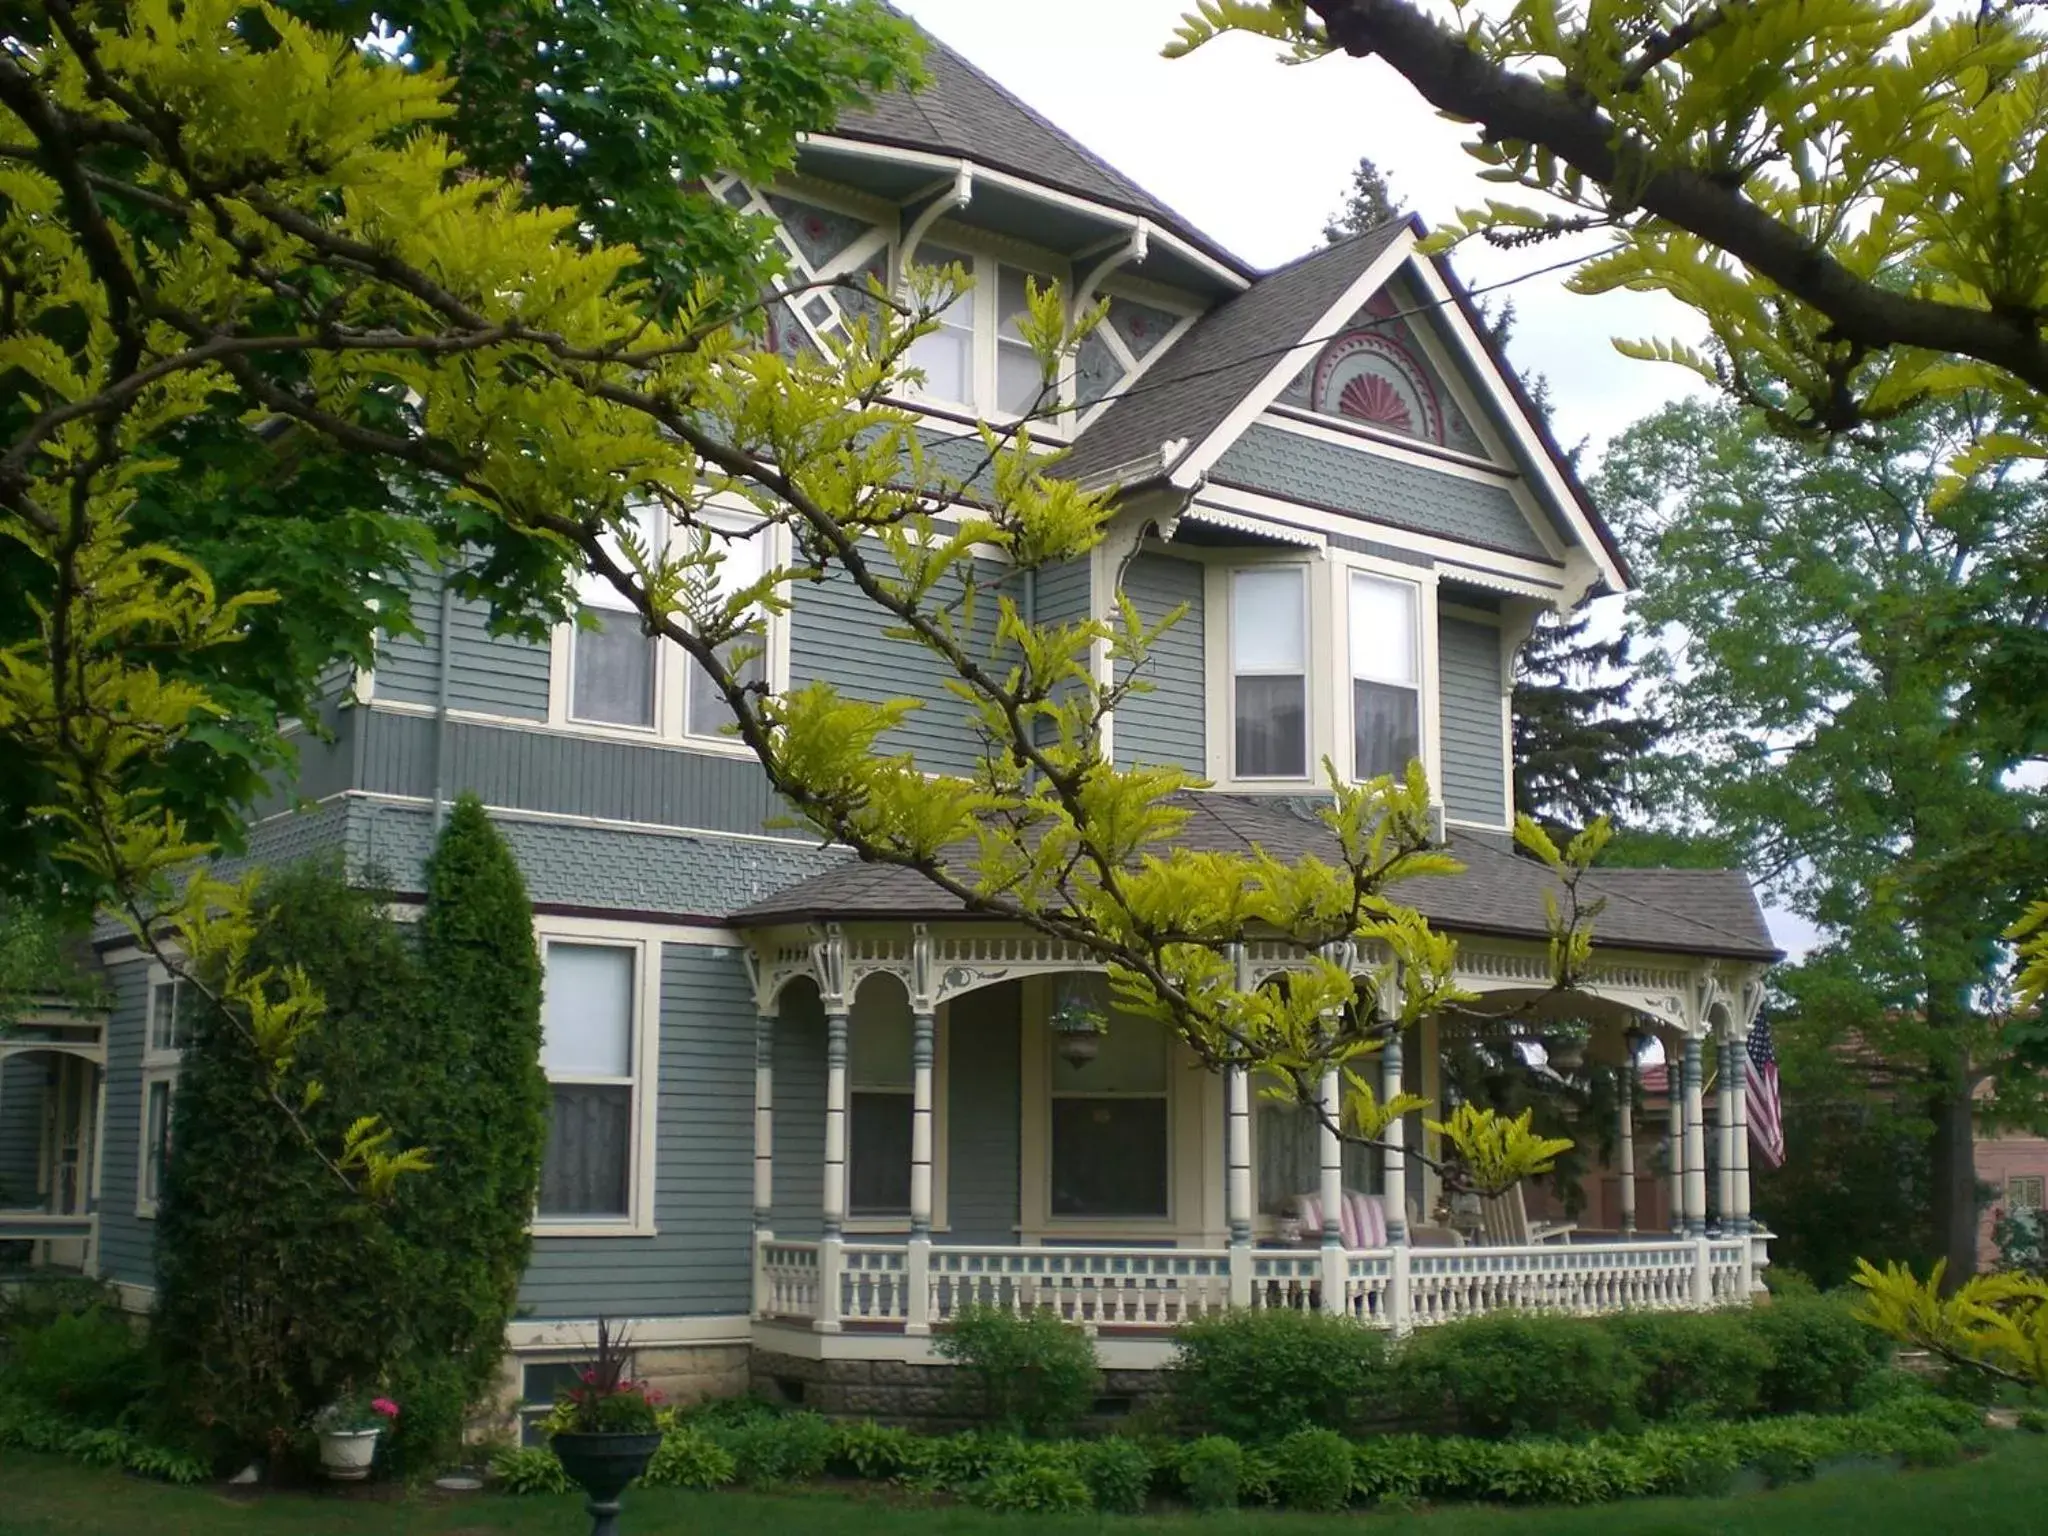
(1375, 371)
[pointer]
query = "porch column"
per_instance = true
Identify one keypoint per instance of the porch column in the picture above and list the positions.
(764, 1153)
(1674, 1145)
(1625, 1138)
(1695, 1142)
(1336, 1262)
(1724, 1129)
(1737, 1220)
(1394, 1150)
(917, 1262)
(831, 1245)
(1237, 1190)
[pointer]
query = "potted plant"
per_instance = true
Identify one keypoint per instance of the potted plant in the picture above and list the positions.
(604, 1429)
(1077, 1021)
(348, 1429)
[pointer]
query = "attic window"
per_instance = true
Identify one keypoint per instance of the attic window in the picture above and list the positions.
(977, 360)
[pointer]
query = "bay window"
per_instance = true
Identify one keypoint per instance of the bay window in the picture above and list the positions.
(614, 656)
(166, 1031)
(589, 1050)
(1386, 676)
(1269, 671)
(1110, 1146)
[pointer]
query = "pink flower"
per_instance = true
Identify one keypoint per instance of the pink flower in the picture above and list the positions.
(590, 1378)
(384, 1406)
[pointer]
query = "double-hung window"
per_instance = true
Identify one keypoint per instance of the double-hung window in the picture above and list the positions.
(1269, 671)
(166, 1033)
(590, 1049)
(620, 676)
(1111, 1152)
(977, 358)
(1386, 676)
(2023, 1192)
(878, 1137)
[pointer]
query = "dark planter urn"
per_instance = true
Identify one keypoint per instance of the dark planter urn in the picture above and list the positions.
(603, 1465)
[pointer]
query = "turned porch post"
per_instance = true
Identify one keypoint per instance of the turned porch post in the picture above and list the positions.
(764, 1152)
(1695, 1142)
(1393, 1150)
(828, 959)
(1336, 1262)
(1237, 1190)
(923, 1045)
(1724, 1129)
(1625, 1136)
(1737, 1218)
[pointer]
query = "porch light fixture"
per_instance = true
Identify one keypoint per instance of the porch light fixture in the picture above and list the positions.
(1078, 1020)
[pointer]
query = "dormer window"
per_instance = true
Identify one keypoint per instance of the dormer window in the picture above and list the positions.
(977, 360)
(1269, 671)
(1386, 676)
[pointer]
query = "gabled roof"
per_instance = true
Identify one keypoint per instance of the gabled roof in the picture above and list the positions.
(1686, 911)
(963, 112)
(1192, 390)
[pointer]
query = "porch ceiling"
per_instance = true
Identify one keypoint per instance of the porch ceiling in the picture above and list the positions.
(1684, 911)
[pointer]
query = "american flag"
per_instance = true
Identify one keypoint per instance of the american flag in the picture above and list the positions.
(1766, 1126)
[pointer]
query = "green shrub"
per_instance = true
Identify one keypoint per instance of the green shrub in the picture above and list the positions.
(1693, 1365)
(875, 1452)
(1212, 1472)
(2033, 1421)
(1820, 1354)
(769, 1451)
(957, 1462)
(89, 1367)
(1118, 1473)
(530, 1469)
(1557, 1472)
(1685, 1463)
(689, 1458)
(1510, 1374)
(1034, 1486)
(1257, 1376)
(1312, 1470)
(1032, 1374)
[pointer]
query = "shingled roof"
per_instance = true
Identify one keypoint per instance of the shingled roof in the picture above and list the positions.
(1194, 387)
(1686, 911)
(961, 111)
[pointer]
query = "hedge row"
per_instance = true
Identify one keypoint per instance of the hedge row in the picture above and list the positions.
(1259, 1376)
(1309, 1469)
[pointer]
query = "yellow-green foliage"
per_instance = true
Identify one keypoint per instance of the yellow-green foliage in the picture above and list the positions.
(1496, 1151)
(1996, 1323)
(269, 214)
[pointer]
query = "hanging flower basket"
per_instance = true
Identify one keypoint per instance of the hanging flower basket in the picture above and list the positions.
(1077, 1023)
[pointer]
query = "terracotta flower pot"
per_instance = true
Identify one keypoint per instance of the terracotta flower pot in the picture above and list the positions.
(602, 1465)
(346, 1454)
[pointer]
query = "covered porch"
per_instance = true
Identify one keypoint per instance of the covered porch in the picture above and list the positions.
(922, 1143)
(52, 1129)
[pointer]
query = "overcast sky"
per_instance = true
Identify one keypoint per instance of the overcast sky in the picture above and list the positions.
(1259, 154)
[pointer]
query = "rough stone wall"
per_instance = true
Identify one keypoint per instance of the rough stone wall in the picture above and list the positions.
(932, 1398)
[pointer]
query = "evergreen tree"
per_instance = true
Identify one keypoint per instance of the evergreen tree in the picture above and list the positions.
(1368, 204)
(1576, 737)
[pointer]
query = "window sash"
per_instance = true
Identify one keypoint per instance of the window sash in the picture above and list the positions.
(1386, 728)
(2026, 1192)
(590, 1166)
(167, 1034)
(880, 1122)
(156, 1136)
(1269, 674)
(614, 671)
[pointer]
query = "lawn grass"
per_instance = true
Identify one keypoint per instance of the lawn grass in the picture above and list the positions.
(2004, 1494)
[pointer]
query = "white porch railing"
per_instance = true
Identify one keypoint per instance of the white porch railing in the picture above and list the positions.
(913, 1286)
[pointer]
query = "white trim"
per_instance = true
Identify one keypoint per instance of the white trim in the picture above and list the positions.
(644, 941)
(1428, 683)
(1197, 461)
(528, 1335)
(987, 255)
(1480, 365)
(145, 1202)
(636, 931)
(889, 1223)
(943, 164)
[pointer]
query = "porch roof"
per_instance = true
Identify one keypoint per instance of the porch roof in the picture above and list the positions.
(1687, 911)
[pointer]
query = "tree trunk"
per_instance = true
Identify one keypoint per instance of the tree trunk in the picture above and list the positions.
(1954, 1153)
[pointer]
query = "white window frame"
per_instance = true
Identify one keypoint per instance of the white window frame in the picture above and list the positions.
(1310, 763)
(161, 1062)
(1425, 724)
(985, 265)
(673, 665)
(645, 942)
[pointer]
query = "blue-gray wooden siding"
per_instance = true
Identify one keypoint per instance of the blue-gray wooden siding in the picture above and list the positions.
(1166, 725)
(22, 1080)
(1475, 776)
(126, 1240)
(836, 637)
(700, 1260)
(1061, 594)
(1380, 489)
(491, 674)
(799, 1113)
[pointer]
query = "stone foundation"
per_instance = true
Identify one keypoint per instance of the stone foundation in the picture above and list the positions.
(932, 1398)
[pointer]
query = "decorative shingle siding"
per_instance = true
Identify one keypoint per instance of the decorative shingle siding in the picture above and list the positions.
(699, 1262)
(568, 775)
(982, 1141)
(836, 637)
(126, 1240)
(799, 1113)
(1287, 464)
(1167, 724)
(1475, 786)
(493, 675)
(678, 874)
